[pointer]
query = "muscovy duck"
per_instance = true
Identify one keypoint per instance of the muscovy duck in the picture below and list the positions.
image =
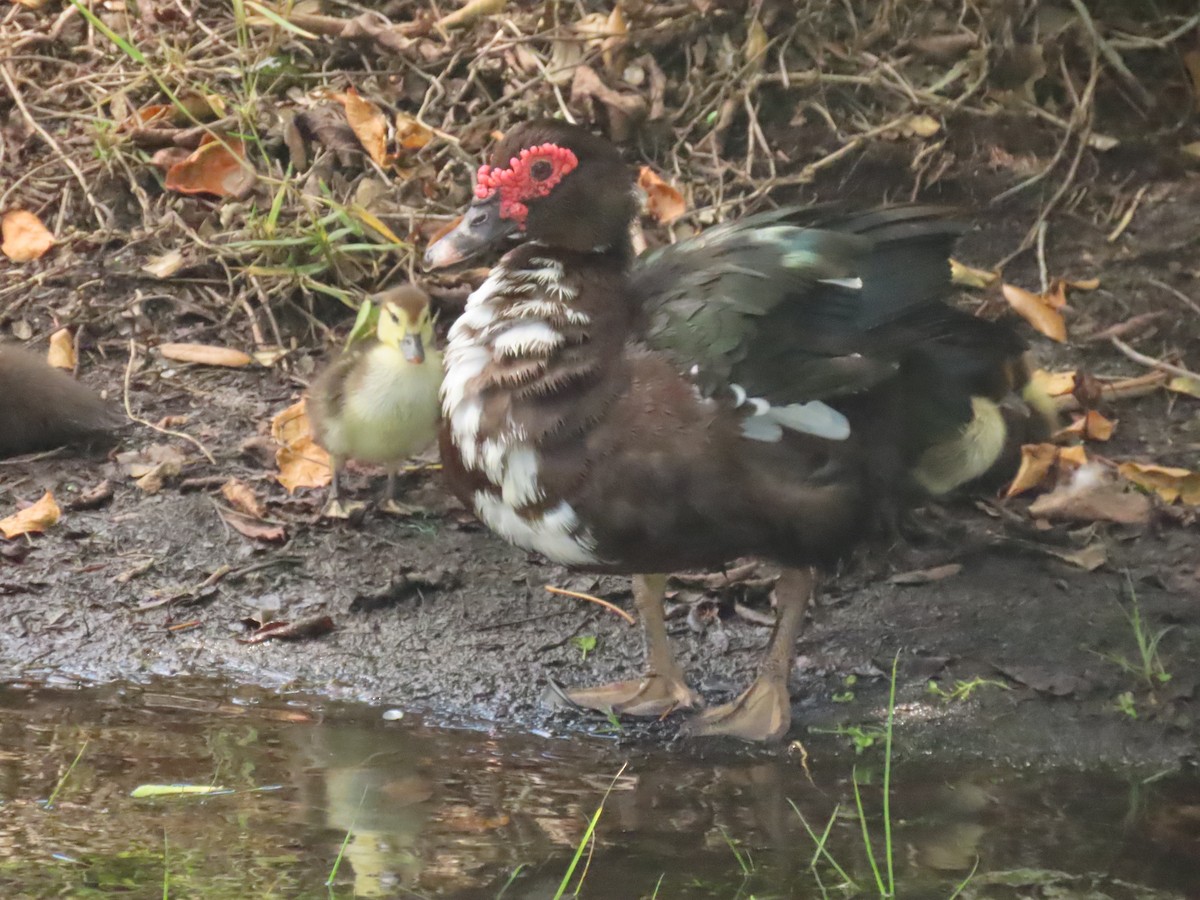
(378, 401)
(768, 388)
(42, 407)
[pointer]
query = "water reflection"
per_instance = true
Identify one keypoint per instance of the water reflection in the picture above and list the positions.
(435, 813)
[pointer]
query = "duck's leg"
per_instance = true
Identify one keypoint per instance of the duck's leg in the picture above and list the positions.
(334, 508)
(764, 712)
(662, 688)
(390, 504)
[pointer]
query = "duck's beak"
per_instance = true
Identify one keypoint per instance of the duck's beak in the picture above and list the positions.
(413, 348)
(480, 229)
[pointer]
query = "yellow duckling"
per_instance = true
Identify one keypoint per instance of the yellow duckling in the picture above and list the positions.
(378, 402)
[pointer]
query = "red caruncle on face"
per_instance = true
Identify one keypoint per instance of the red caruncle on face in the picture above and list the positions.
(530, 176)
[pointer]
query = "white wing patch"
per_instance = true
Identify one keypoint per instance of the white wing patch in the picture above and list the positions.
(766, 422)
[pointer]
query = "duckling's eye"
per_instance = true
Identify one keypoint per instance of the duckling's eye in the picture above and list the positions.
(541, 170)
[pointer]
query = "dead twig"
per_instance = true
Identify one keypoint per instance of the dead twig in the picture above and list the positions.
(611, 607)
(145, 422)
(1150, 361)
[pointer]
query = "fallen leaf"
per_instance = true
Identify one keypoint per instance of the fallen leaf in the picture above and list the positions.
(23, 237)
(35, 518)
(164, 265)
(368, 123)
(926, 576)
(300, 460)
(312, 627)
(1091, 426)
(1041, 463)
(1037, 461)
(152, 466)
(663, 202)
(1184, 384)
(242, 497)
(205, 355)
(32, 4)
(756, 45)
(921, 126)
(411, 134)
(1037, 310)
(965, 275)
(1091, 497)
(61, 354)
(216, 167)
(1090, 558)
(253, 528)
(1171, 483)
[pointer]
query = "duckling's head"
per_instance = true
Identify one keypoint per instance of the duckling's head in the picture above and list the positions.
(405, 321)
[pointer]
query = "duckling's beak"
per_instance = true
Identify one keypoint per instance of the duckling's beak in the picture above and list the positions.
(480, 229)
(412, 348)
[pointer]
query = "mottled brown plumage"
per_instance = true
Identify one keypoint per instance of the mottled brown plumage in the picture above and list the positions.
(42, 407)
(771, 388)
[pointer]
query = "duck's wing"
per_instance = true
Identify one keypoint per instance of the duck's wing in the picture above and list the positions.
(795, 306)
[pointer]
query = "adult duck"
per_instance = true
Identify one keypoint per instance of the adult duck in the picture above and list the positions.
(42, 407)
(768, 388)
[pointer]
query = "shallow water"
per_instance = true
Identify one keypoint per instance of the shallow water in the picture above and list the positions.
(467, 813)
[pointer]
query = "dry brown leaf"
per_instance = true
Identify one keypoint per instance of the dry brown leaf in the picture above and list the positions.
(411, 134)
(921, 126)
(1037, 310)
(164, 265)
(217, 167)
(205, 355)
(1037, 462)
(1171, 483)
(1041, 463)
(253, 528)
(1091, 426)
(756, 45)
(61, 354)
(615, 42)
(31, 4)
(1091, 497)
(301, 461)
(242, 497)
(1090, 558)
(368, 123)
(152, 466)
(32, 519)
(973, 278)
(23, 237)
(664, 203)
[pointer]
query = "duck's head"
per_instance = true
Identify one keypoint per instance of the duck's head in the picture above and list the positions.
(405, 321)
(549, 182)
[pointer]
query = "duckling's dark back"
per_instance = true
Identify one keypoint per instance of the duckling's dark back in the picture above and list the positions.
(42, 407)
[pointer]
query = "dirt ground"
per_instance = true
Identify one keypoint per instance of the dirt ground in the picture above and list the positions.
(158, 584)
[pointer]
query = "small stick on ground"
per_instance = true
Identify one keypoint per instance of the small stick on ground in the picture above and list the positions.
(1150, 361)
(611, 607)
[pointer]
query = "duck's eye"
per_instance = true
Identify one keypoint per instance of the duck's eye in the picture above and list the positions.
(541, 170)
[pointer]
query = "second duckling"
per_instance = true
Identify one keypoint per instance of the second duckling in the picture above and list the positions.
(378, 401)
